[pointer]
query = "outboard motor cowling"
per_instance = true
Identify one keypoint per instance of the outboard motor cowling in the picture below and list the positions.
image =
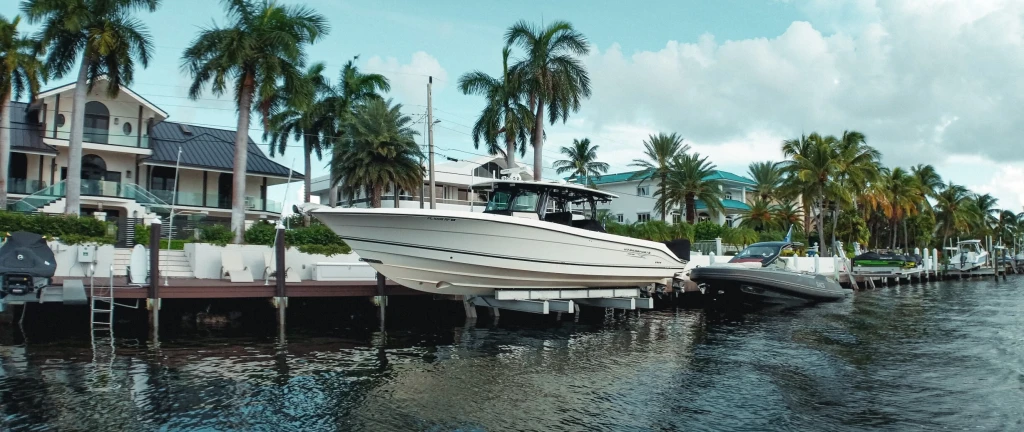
(26, 263)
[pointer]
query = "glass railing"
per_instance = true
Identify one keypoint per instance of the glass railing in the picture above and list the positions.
(24, 186)
(151, 198)
(118, 139)
(40, 198)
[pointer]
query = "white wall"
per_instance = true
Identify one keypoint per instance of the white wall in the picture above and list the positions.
(630, 205)
(205, 259)
(67, 260)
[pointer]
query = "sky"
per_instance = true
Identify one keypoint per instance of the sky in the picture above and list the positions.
(927, 81)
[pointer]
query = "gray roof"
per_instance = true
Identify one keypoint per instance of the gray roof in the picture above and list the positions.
(208, 148)
(26, 132)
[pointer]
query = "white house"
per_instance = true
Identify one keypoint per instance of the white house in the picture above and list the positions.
(128, 163)
(452, 184)
(636, 202)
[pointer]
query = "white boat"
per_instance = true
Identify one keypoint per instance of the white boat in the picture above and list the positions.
(527, 238)
(968, 255)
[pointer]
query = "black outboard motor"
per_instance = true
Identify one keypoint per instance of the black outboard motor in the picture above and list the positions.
(26, 264)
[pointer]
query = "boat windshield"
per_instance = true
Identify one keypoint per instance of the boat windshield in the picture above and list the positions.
(761, 252)
(525, 201)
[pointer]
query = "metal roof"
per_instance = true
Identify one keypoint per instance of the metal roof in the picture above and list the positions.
(26, 132)
(727, 203)
(208, 148)
(627, 176)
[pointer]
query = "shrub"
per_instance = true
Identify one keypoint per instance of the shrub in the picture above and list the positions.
(52, 226)
(313, 235)
(142, 234)
(706, 230)
(216, 234)
(75, 239)
(261, 233)
(175, 244)
(329, 250)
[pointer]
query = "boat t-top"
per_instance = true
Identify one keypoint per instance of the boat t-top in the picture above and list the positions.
(968, 255)
(531, 235)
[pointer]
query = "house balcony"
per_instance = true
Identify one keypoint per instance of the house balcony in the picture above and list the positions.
(214, 200)
(98, 141)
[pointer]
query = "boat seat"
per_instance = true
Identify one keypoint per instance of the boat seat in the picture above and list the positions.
(564, 218)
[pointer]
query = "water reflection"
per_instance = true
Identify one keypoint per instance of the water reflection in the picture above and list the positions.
(922, 357)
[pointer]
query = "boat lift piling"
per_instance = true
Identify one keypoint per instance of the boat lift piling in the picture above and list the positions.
(153, 295)
(281, 291)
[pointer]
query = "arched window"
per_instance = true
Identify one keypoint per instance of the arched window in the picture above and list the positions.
(93, 167)
(97, 123)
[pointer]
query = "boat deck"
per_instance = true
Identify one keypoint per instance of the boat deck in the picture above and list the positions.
(189, 288)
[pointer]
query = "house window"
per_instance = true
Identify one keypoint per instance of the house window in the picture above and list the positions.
(675, 218)
(619, 217)
(703, 217)
(643, 190)
(643, 217)
(728, 221)
(97, 123)
(60, 120)
(728, 195)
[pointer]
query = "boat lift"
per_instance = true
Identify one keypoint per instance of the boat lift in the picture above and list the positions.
(545, 301)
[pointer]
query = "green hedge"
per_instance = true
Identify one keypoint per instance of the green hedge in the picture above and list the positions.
(315, 239)
(68, 228)
(216, 234)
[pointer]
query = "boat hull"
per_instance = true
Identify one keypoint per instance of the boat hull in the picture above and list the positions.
(734, 286)
(475, 254)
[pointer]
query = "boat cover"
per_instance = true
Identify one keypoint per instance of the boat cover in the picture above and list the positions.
(875, 259)
(27, 253)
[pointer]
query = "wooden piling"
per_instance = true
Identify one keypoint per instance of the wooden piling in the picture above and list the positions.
(153, 294)
(281, 291)
(381, 297)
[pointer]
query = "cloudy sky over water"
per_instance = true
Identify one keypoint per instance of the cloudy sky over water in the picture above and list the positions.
(928, 81)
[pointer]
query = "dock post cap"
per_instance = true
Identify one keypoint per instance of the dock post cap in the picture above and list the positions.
(279, 225)
(156, 220)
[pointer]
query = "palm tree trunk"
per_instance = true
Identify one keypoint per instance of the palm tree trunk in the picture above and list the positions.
(332, 198)
(241, 156)
(895, 234)
(5, 145)
(807, 218)
(835, 221)
(662, 209)
(906, 240)
(510, 149)
(73, 186)
(376, 194)
(821, 225)
(395, 195)
(691, 211)
(307, 180)
(538, 141)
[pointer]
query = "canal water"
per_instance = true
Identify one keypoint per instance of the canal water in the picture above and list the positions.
(925, 357)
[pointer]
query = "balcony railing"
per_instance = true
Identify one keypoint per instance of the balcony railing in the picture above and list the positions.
(24, 186)
(116, 139)
(195, 199)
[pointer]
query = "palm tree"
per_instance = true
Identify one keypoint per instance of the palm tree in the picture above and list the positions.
(985, 212)
(857, 166)
(953, 210)
(20, 70)
(760, 216)
(353, 89)
(688, 180)
(928, 181)
(768, 177)
(1006, 224)
(379, 150)
(788, 214)
(812, 168)
(582, 162)
(304, 118)
(901, 201)
(263, 46)
(505, 113)
(553, 76)
(108, 40)
(660, 150)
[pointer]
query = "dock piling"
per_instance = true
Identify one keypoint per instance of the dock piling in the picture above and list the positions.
(382, 298)
(281, 293)
(153, 294)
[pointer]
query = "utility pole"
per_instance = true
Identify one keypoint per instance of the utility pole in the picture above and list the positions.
(430, 138)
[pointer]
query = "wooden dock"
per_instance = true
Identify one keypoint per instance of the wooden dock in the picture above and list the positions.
(221, 289)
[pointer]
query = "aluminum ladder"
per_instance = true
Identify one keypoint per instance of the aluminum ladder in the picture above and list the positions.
(102, 318)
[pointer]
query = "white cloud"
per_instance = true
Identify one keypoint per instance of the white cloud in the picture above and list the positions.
(409, 79)
(928, 81)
